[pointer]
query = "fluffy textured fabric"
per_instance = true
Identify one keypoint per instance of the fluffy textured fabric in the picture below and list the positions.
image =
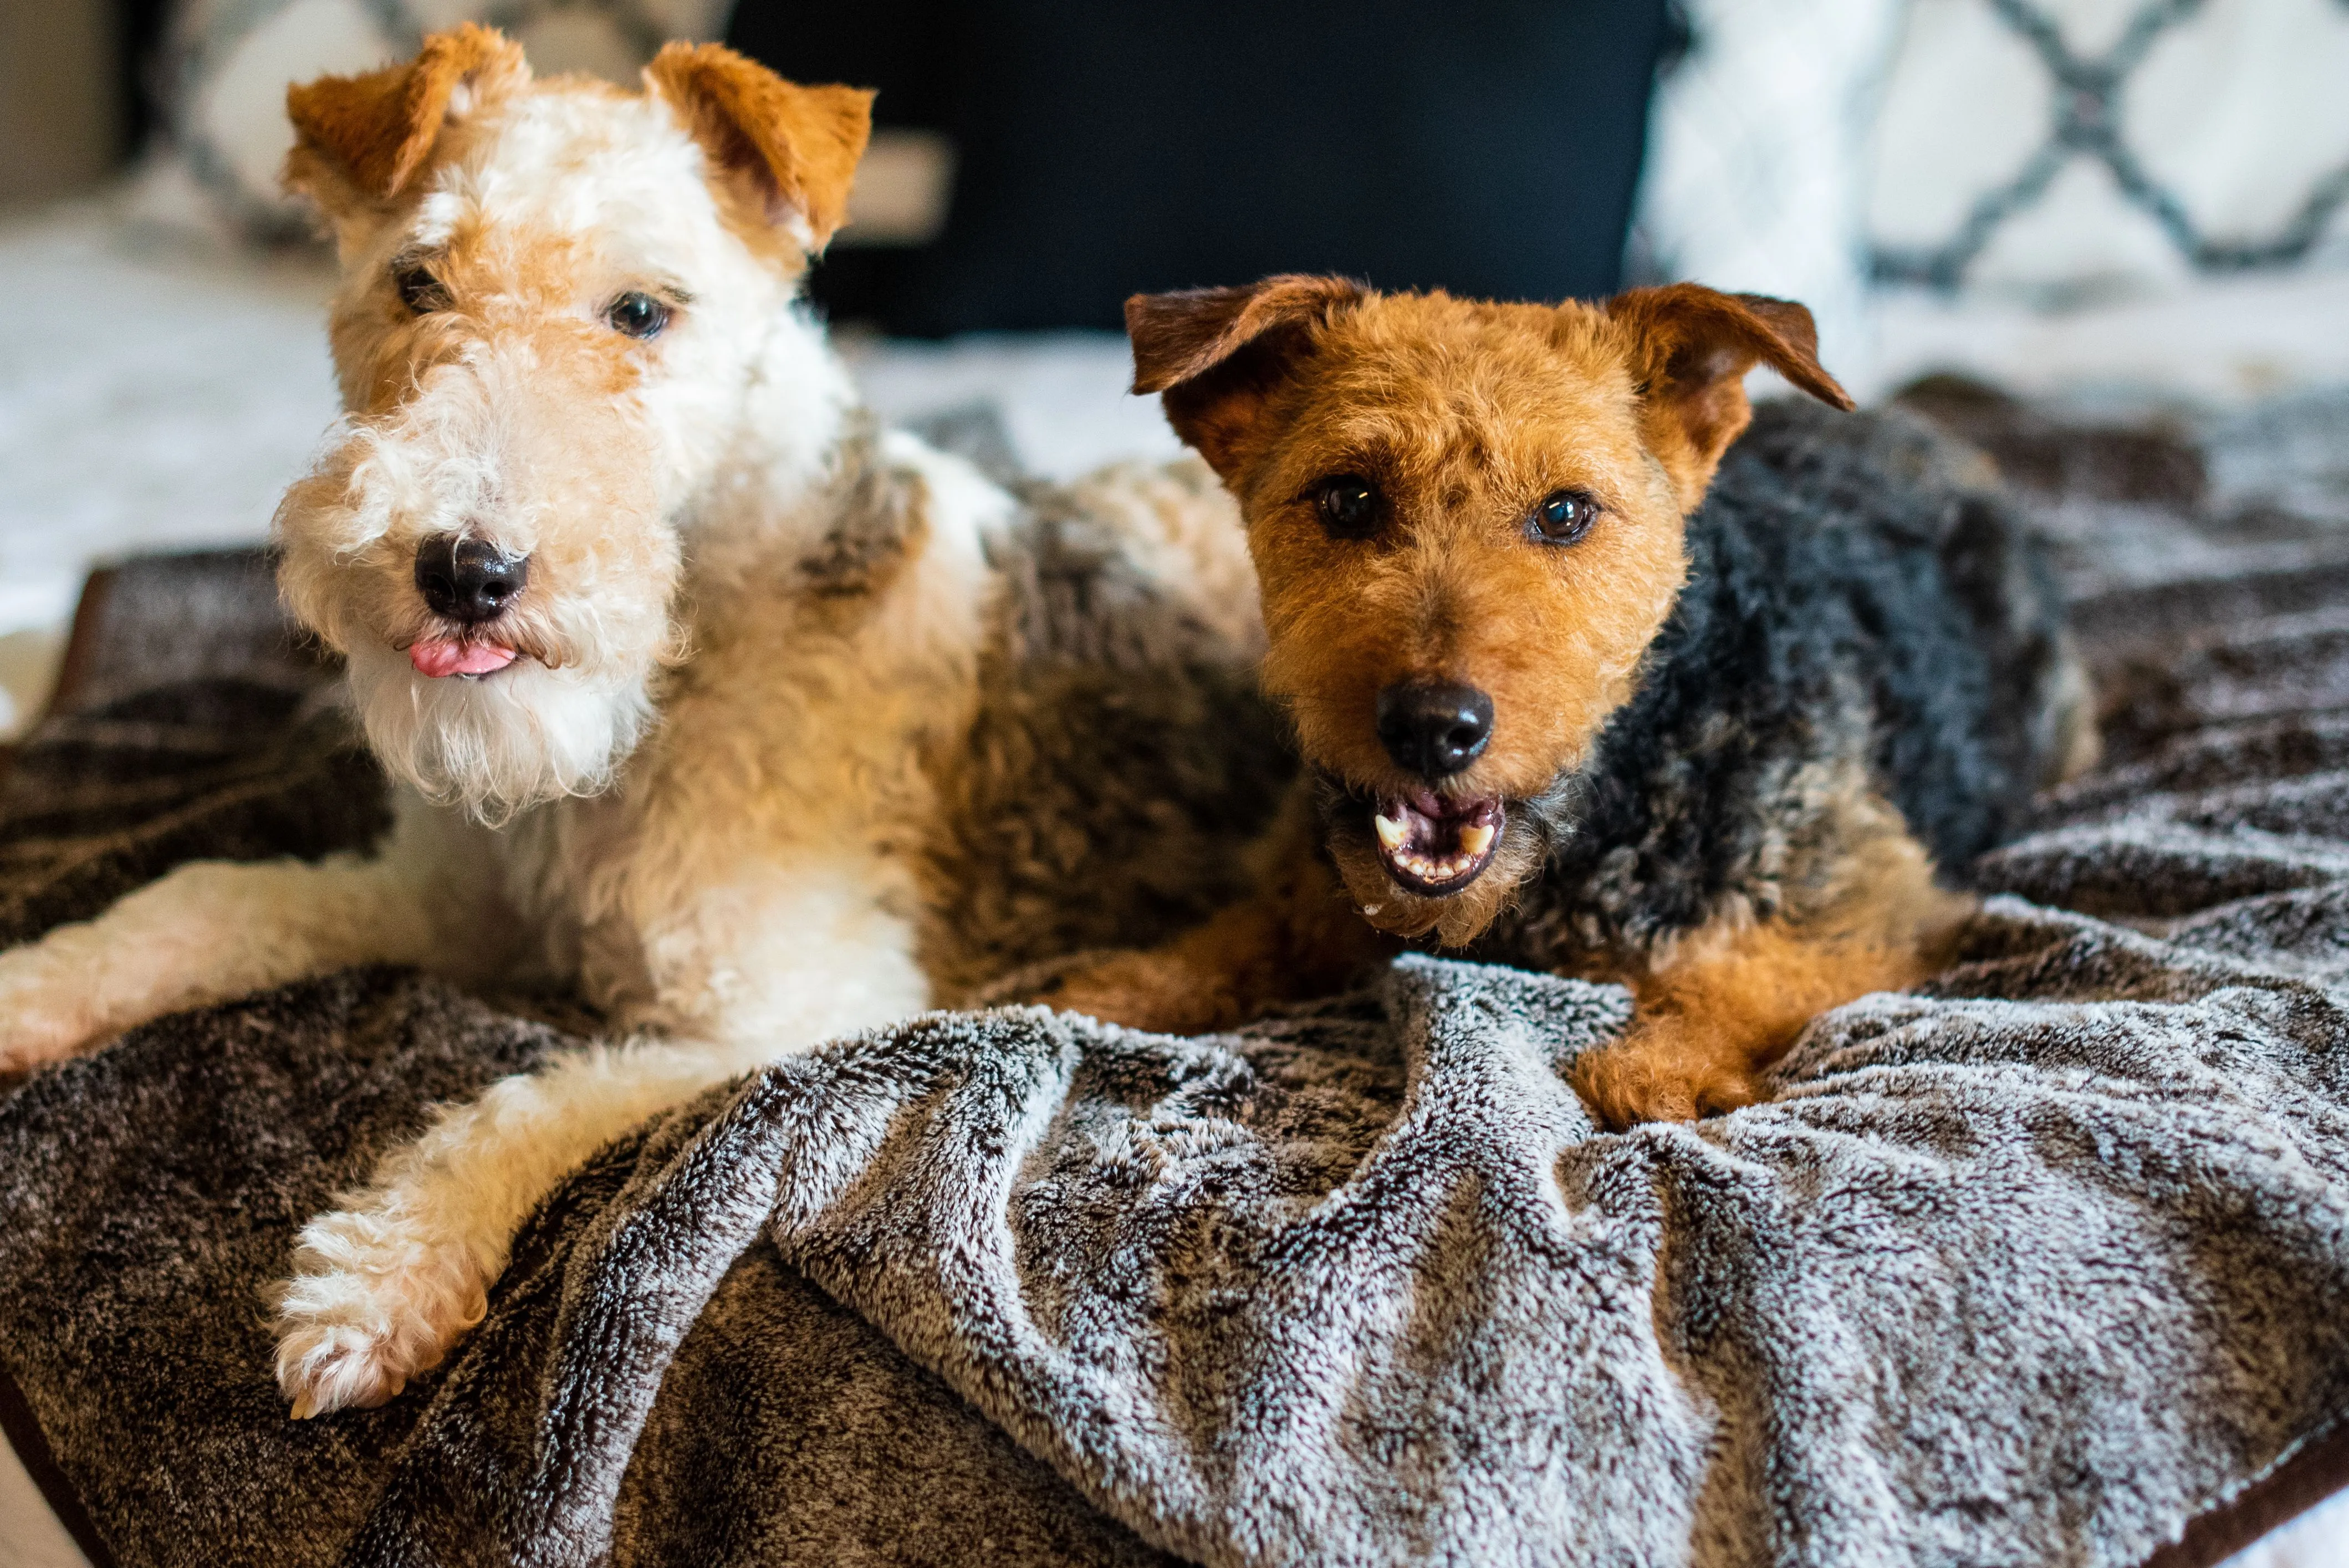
(2031, 1266)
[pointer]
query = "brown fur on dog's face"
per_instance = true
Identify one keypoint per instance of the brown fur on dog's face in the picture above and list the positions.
(1465, 418)
(561, 304)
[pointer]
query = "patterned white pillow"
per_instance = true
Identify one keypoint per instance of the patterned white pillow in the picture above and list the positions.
(2064, 152)
(1949, 181)
(1755, 175)
(226, 64)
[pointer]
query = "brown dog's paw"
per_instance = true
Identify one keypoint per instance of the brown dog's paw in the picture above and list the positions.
(1667, 1071)
(1138, 990)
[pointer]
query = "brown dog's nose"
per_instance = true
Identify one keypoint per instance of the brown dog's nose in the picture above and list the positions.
(468, 579)
(1435, 731)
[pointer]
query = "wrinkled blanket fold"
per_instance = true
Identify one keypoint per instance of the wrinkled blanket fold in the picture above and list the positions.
(1993, 1276)
(2033, 1266)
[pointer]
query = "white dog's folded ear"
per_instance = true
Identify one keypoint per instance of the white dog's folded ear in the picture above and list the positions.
(797, 147)
(375, 131)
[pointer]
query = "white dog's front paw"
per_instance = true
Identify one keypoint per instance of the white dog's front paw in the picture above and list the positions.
(368, 1308)
(46, 1009)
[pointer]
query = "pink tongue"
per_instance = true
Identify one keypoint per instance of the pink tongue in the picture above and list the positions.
(438, 656)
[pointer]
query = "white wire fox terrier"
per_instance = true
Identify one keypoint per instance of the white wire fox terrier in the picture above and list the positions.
(701, 696)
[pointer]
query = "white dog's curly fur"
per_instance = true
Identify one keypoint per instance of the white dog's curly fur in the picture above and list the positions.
(748, 647)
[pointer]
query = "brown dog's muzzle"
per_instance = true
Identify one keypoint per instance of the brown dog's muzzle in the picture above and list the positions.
(1431, 845)
(1435, 730)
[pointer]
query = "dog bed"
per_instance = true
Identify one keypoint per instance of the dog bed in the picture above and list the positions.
(2048, 1262)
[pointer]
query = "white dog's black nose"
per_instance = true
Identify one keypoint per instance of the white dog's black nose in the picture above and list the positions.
(468, 579)
(1435, 731)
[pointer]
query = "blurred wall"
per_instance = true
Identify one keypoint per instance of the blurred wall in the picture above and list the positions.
(60, 110)
(1490, 147)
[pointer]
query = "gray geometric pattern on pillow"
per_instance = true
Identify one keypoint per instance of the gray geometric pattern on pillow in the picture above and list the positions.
(2088, 123)
(204, 37)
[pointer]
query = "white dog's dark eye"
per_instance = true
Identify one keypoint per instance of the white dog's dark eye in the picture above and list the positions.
(420, 290)
(1349, 505)
(638, 314)
(1562, 517)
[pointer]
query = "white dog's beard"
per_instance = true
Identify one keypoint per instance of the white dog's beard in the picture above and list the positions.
(520, 738)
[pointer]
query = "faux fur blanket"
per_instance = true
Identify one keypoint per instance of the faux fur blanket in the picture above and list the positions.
(2036, 1265)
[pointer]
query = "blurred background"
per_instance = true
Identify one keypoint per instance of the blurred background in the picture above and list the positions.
(2120, 204)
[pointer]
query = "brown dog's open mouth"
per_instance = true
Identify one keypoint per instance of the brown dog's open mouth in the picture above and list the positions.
(1432, 846)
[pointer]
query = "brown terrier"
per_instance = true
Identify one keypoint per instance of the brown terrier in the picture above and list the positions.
(1554, 713)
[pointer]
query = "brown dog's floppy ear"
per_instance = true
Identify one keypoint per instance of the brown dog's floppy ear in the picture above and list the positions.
(1691, 348)
(797, 147)
(375, 131)
(1218, 353)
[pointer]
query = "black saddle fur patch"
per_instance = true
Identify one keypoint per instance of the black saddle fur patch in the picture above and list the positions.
(1860, 594)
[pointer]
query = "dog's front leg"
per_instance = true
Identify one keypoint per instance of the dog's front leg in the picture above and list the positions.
(214, 930)
(386, 1284)
(1297, 937)
(747, 970)
(1731, 1000)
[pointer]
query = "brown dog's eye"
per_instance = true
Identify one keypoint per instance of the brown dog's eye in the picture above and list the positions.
(420, 290)
(1562, 517)
(1349, 505)
(638, 314)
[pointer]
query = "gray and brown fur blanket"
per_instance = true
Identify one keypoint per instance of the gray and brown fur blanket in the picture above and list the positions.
(2046, 1264)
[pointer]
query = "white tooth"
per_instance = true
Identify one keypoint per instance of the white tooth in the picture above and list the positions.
(1476, 839)
(1391, 833)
